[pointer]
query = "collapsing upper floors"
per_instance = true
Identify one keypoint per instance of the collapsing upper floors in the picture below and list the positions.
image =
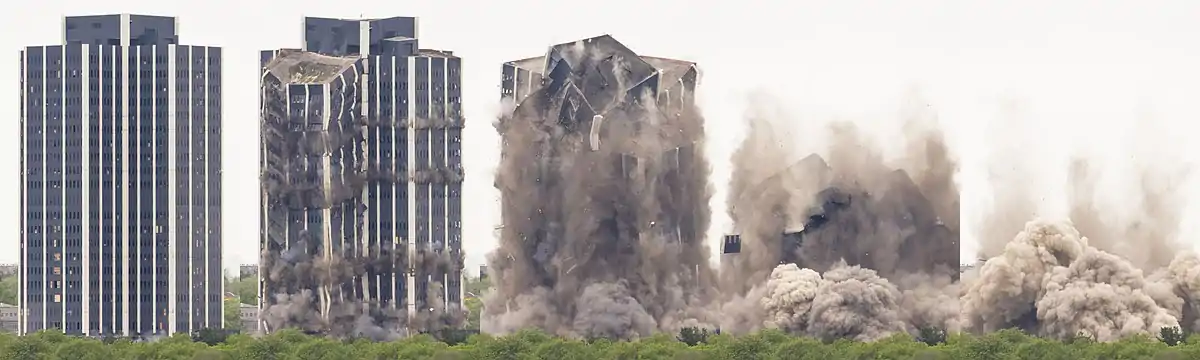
(362, 161)
(595, 111)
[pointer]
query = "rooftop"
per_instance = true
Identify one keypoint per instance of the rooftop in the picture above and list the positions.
(535, 64)
(672, 70)
(436, 53)
(592, 52)
(362, 19)
(302, 67)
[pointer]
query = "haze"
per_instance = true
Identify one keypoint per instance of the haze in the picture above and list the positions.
(1069, 76)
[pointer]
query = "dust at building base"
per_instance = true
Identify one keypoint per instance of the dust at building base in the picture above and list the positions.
(605, 193)
(323, 268)
(362, 182)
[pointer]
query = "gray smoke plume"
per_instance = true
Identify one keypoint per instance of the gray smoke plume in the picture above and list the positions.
(603, 229)
(877, 248)
(1103, 273)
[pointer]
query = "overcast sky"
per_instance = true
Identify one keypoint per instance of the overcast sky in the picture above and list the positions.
(1070, 76)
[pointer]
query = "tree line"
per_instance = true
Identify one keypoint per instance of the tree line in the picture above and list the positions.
(689, 344)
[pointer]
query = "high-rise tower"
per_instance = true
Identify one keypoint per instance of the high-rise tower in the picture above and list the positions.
(120, 180)
(399, 245)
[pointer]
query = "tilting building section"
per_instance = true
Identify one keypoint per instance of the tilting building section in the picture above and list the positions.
(120, 146)
(578, 87)
(602, 94)
(313, 170)
(844, 217)
(409, 196)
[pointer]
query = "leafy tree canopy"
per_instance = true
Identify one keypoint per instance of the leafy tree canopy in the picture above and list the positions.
(693, 343)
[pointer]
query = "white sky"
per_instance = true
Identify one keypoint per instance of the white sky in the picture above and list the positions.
(1081, 72)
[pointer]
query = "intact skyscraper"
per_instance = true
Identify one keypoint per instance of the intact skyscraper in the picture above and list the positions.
(362, 180)
(120, 180)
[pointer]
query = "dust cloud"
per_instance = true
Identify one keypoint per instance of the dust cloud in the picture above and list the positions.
(602, 230)
(603, 233)
(847, 243)
(1104, 271)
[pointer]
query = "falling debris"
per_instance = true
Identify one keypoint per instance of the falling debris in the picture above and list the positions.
(609, 148)
(852, 227)
(334, 260)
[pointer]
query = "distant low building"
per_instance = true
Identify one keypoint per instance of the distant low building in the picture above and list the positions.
(7, 270)
(249, 318)
(248, 271)
(8, 318)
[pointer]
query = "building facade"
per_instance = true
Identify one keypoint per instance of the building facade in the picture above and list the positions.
(249, 317)
(8, 318)
(247, 271)
(405, 239)
(120, 180)
(7, 270)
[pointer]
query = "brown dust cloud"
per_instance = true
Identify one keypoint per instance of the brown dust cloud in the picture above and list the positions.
(846, 243)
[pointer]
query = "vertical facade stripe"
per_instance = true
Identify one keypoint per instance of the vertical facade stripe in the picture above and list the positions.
(411, 121)
(191, 186)
(45, 135)
(154, 225)
(22, 267)
(124, 180)
(60, 223)
(86, 185)
(206, 231)
(427, 188)
(172, 202)
(445, 199)
(115, 148)
(128, 156)
(136, 184)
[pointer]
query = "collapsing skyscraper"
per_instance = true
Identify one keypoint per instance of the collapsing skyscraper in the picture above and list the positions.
(604, 192)
(877, 218)
(361, 176)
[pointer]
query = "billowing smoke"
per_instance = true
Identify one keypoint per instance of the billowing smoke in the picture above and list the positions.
(603, 222)
(1050, 280)
(604, 201)
(845, 302)
(1106, 273)
(869, 246)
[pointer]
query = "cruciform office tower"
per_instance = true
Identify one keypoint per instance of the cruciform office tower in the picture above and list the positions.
(120, 180)
(362, 181)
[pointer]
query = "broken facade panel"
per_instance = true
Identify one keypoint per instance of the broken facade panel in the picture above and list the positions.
(313, 172)
(407, 265)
